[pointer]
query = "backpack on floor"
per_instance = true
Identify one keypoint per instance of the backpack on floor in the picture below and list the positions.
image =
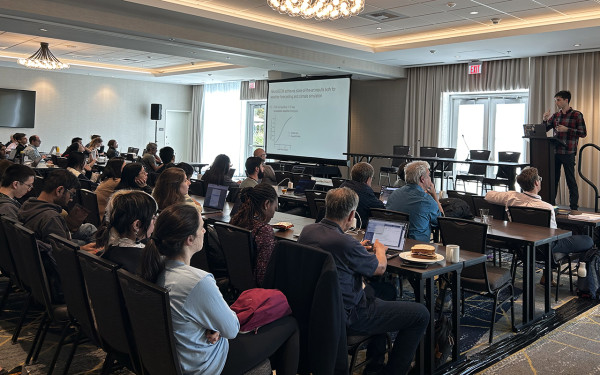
(444, 340)
(587, 287)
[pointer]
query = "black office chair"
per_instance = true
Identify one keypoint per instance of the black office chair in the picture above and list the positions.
(542, 218)
(496, 210)
(481, 279)
(320, 204)
(232, 194)
(149, 312)
(465, 196)
(112, 321)
(338, 181)
(385, 171)
(89, 200)
(428, 151)
(311, 195)
(7, 267)
(197, 188)
(446, 173)
(476, 172)
(382, 213)
(504, 175)
(239, 251)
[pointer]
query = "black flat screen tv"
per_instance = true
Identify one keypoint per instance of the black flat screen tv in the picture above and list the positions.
(17, 108)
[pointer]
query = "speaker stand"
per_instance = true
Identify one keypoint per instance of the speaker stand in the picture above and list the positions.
(155, 131)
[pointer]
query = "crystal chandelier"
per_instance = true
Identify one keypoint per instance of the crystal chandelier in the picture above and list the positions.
(319, 9)
(43, 59)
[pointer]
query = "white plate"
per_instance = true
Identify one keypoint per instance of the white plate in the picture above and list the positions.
(407, 255)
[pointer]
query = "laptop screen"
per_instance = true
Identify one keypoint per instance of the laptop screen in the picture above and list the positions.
(389, 233)
(534, 130)
(215, 196)
(302, 185)
(386, 191)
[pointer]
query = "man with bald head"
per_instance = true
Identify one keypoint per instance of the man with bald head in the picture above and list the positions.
(269, 173)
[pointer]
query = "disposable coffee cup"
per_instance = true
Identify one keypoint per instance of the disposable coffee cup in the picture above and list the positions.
(290, 185)
(454, 253)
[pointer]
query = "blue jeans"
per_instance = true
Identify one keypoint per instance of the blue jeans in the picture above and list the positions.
(376, 317)
(574, 244)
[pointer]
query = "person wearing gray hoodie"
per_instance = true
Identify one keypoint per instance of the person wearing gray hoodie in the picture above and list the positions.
(17, 181)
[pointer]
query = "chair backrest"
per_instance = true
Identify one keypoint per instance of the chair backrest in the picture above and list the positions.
(282, 175)
(465, 196)
(530, 215)
(149, 312)
(428, 151)
(470, 236)
(445, 152)
(32, 263)
(38, 185)
(316, 304)
(400, 150)
(197, 187)
(320, 205)
(337, 181)
(73, 285)
(496, 210)
(7, 264)
(238, 248)
(61, 162)
(16, 252)
(106, 300)
(89, 200)
(476, 169)
(233, 192)
(382, 213)
(296, 177)
(311, 195)
(508, 156)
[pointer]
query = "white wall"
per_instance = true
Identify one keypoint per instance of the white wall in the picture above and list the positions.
(70, 105)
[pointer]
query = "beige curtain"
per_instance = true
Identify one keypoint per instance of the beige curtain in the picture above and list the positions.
(196, 130)
(580, 74)
(258, 93)
(426, 85)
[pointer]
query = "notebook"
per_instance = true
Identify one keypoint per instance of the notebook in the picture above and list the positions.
(386, 191)
(390, 233)
(303, 185)
(214, 200)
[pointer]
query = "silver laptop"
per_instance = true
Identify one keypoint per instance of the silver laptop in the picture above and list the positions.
(214, 200)
(386, 191)
(390, 233)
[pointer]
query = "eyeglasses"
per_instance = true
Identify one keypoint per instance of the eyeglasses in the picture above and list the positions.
(539, 178)
(29, 186)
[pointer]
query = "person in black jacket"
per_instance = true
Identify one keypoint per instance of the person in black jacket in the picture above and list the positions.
(362, 176)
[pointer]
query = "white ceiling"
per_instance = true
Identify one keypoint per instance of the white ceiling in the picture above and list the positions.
(204, 41)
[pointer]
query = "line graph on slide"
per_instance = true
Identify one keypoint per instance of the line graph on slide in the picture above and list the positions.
(283, 128)
(278, 134)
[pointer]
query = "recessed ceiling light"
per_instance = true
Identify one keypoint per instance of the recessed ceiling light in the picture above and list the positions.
(379, 28)
(228, 58)
(43, 30)
(577, 45)
(451, 4)
(474, 12)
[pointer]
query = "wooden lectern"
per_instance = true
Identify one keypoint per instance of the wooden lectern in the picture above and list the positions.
(541, 156)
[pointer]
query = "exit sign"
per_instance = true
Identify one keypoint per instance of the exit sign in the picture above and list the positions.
(475, 68)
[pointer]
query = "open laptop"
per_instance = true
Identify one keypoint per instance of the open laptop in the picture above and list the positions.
(214, 200)
(390, 233)
(386, 191)
(303, 185)
(534, 130)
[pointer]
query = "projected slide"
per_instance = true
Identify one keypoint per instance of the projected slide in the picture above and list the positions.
(308, 118)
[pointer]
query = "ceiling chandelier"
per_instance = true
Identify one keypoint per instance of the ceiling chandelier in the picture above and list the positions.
(43, 59)
(319, 9)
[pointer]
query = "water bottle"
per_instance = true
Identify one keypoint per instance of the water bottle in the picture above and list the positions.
(581, 270)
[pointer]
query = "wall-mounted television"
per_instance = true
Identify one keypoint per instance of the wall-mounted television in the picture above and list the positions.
(17, 108)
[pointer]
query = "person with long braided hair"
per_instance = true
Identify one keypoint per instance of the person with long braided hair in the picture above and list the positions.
(206, 330)
(259, 204)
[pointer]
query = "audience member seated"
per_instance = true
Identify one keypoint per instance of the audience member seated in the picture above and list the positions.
(130, 217)
(3, 165)
(89, 145)
(400, 180)
(259, 204)
(2, 152)
(269, 173)
(76, 165)
(94, 148)
(531, 184)
(17, 180)
(362, 176)
(217, 174)
(419, 199)
(167, 155)
(150, 160)
(133, 177)
(204, 327)
(171, 187)
(365, 314)
(189, 172)
(44, 214)
(74, 147)
(12, 143)
(21, 143)
(109, 179)
(113, 149)
(254, 171)
(32, 152)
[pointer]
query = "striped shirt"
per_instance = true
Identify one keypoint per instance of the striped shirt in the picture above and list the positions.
(574, 121)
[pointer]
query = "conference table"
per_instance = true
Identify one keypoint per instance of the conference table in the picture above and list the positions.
(445, 162)
(532, 239)
(586, 220)
(423, 278)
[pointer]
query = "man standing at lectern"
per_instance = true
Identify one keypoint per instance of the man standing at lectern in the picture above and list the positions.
(569, 126)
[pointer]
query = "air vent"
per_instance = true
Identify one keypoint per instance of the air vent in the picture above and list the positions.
(579, 50)
(383, 16)
(132, 60)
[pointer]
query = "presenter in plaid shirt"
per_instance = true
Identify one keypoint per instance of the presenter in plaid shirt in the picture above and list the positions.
(569, 126)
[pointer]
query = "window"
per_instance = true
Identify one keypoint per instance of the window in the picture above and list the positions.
(255, 125)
